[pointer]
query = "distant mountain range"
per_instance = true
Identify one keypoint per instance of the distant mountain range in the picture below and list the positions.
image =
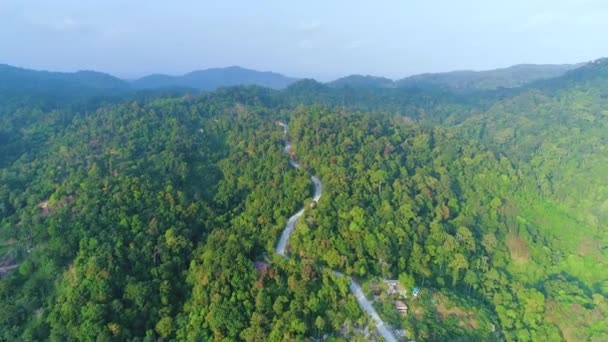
(360, 81)
(510, 77)
(19, 79)
(210, 79)
(15, 80)
(24, 86)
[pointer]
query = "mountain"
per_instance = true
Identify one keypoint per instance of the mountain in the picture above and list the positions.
(360, 81)
(592, 75)
(16, 79)
(26, 86)
(210, 79)
(510, 77)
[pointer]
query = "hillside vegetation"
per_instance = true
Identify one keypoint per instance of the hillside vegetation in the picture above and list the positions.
(155, 216)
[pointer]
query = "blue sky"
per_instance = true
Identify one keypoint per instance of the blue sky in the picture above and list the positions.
(320, 39)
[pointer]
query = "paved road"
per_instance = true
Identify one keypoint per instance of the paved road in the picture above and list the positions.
(287, 233)
(366, 305)
(355, 288)
(318, 188)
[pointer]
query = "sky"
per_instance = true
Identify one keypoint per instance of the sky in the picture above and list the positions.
(314, 38)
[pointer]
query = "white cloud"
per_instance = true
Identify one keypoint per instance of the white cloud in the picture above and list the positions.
(598, 18)
(67, 24)
(308, 25)
(60, 25)
(582, 2)
(355, 44)
(305, 44)
(540, 21)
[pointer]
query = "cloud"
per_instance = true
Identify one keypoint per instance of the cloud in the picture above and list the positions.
(587, 20)
(597, 19)
(582, 2)
(59, 25)
(305, 44)
(308, 26)
(70, 25)
(355, 44)
(540, 21)
(67, 24)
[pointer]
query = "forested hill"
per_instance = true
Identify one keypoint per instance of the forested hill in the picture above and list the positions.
(155, 217)
(553, 133)
(27, 87)
(51, 88)
(463, 81)
(360, 81)
(511, 77)
(20, 80)
(211, 79)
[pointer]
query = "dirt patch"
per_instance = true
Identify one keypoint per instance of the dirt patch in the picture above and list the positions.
(72, 275)
(518, 248)
(418, 312)
(48, 208)
(590, 247)
(507, 209)
(44, 209)
(556, 315)
(445, 309)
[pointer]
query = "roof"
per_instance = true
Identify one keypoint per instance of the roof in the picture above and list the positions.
(260, 266)
(400, 305)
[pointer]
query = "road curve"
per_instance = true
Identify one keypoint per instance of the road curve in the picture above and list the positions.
(354, 287)
(287, 233)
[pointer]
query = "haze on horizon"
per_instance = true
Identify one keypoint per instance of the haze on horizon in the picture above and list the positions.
(316, 39)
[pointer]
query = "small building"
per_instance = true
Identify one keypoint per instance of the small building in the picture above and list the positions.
(416, 291)
(395, 288)
(260, 266)
(401, 307)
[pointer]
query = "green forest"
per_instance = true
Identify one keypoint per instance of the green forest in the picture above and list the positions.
(154, 215)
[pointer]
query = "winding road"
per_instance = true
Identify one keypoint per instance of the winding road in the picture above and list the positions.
(354, 287)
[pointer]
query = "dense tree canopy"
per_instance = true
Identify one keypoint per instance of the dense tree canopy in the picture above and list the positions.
(148, 216)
